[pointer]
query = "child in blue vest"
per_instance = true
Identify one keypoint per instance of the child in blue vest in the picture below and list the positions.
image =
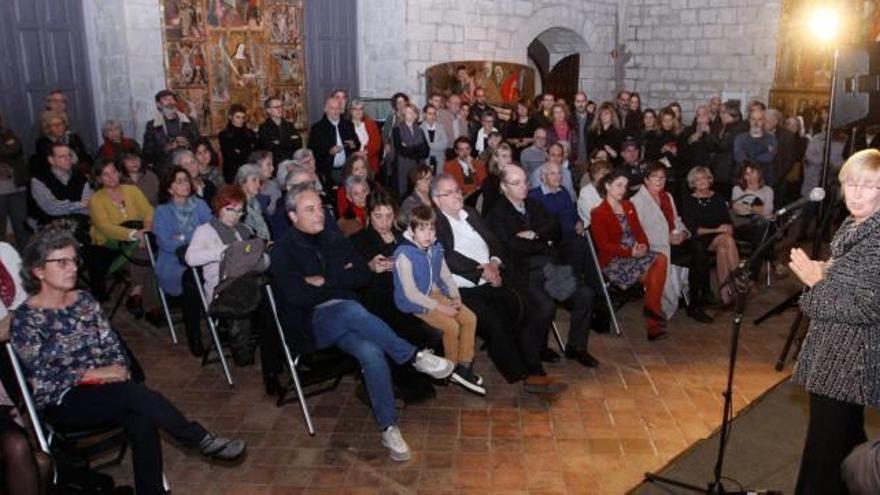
(423, 286)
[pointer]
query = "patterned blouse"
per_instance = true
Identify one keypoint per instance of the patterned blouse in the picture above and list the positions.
(55, 346)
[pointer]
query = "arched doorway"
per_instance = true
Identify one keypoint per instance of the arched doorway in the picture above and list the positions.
(557, 55)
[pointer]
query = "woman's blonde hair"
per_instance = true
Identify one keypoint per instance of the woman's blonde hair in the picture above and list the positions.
(694, 172)
(47, 117)
(865, 161)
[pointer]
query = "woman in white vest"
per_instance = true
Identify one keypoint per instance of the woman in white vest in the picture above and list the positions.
(667, 234)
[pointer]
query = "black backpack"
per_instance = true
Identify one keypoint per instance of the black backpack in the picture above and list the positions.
(242, 277)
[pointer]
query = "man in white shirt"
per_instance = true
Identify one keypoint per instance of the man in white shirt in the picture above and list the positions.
(474, 256)
(481, 139)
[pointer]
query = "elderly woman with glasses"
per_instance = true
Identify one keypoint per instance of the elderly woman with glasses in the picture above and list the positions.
(80, 371)
(54, 128)
(839, 363)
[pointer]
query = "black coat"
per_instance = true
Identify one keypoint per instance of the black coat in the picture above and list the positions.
(156, 137)
(784, 159)
(721, 144)
(322, 137)
(282, 140)
(39, 160)
(523, 254)
(458, 263)
(296, 256)
(612, 137)
(236, 145)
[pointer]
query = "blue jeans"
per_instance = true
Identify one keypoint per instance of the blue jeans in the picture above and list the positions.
(356, 331)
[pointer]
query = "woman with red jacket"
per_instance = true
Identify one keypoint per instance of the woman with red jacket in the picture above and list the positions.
(368, 133)
(623, 250)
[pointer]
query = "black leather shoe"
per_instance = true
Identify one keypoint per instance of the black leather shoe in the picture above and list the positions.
(581, 356)
(272, 384)
(700, 315)
(550, 356)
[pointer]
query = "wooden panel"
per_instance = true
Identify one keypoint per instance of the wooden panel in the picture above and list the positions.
(331, 51)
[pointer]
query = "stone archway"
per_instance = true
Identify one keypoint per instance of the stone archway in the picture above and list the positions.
(557, 54)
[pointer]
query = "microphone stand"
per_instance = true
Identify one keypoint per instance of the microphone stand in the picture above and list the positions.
(739, 280)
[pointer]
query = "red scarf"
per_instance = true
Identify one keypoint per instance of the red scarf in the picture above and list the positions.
(561, 130)
(666, 208)
(7, 286)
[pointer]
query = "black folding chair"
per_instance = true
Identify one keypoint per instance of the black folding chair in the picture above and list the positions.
(212, 327)
(307, 369)
(72, 447)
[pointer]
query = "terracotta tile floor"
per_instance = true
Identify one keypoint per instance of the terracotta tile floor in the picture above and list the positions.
(645, 404)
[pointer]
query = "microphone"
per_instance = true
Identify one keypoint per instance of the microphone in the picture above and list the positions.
(816, 194)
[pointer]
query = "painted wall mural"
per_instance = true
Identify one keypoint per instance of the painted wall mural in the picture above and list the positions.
(504, 82)
(220, 52)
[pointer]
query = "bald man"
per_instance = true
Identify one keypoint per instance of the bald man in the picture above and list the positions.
(332, 139)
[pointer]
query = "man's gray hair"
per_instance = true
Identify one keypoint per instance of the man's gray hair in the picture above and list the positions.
(295, 192)
(775, 114)
(355, 180)
(435, 182)
(545, 168)
(246, 171)
(179, 154)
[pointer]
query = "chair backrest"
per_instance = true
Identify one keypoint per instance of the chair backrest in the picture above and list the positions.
(30, 405)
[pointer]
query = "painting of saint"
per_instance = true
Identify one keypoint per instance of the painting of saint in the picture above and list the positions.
(187, 64)
(284, 24)
(233, 14)
(286, 66)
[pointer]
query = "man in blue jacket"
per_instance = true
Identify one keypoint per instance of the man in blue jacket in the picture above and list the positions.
(317, 273)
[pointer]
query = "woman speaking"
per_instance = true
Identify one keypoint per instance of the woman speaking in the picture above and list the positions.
(839, 363)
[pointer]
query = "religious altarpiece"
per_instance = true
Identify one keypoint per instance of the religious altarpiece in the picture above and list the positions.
(220, 52)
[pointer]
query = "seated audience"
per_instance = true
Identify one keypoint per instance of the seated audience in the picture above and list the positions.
(529, 236)
(424, 287)
(204, 189)
(368, 134)
(55, 130)
(668, 236)
(623, 250)
(237, 141)
(752, 202)
(250, 179)
(205, 250)
(376, 244)
(420, 194)
(169, 131)
(209, 163)
(356, 165)
(115, 144)
(270, 189)
(605, 133)
(589, 197)
(557, 153)
(706, 216)
(321, 273)
(490, 191)
(79, 371)
(493, 142)
(174, 222)
(467, 171)
(474, 257)
(354, 218)
(121, 216)
(134, 173)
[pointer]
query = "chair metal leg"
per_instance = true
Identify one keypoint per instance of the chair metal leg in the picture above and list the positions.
(162, 298)
(684, 295)
(769, 273)
(28, 400)
(605, 294)
(291, 363)
(558, 337)
(213, 328)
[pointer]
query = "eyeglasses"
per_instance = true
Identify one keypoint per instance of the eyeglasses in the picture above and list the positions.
(456, 191)
(852, 186)
(65, 263)
(181, 181)
(234, 211)
(661, 178)
(276, 106)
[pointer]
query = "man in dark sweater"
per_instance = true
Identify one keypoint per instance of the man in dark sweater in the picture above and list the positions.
(530, 237)
(169, 131)
(276, 134)
(317, 273)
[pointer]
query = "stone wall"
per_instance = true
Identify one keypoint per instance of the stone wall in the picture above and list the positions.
(686, 50)
(399, 39)
(126, 61)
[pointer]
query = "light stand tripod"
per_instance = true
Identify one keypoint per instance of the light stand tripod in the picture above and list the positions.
(739, 280)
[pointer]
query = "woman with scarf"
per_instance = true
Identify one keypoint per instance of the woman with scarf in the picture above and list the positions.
(174, 222)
